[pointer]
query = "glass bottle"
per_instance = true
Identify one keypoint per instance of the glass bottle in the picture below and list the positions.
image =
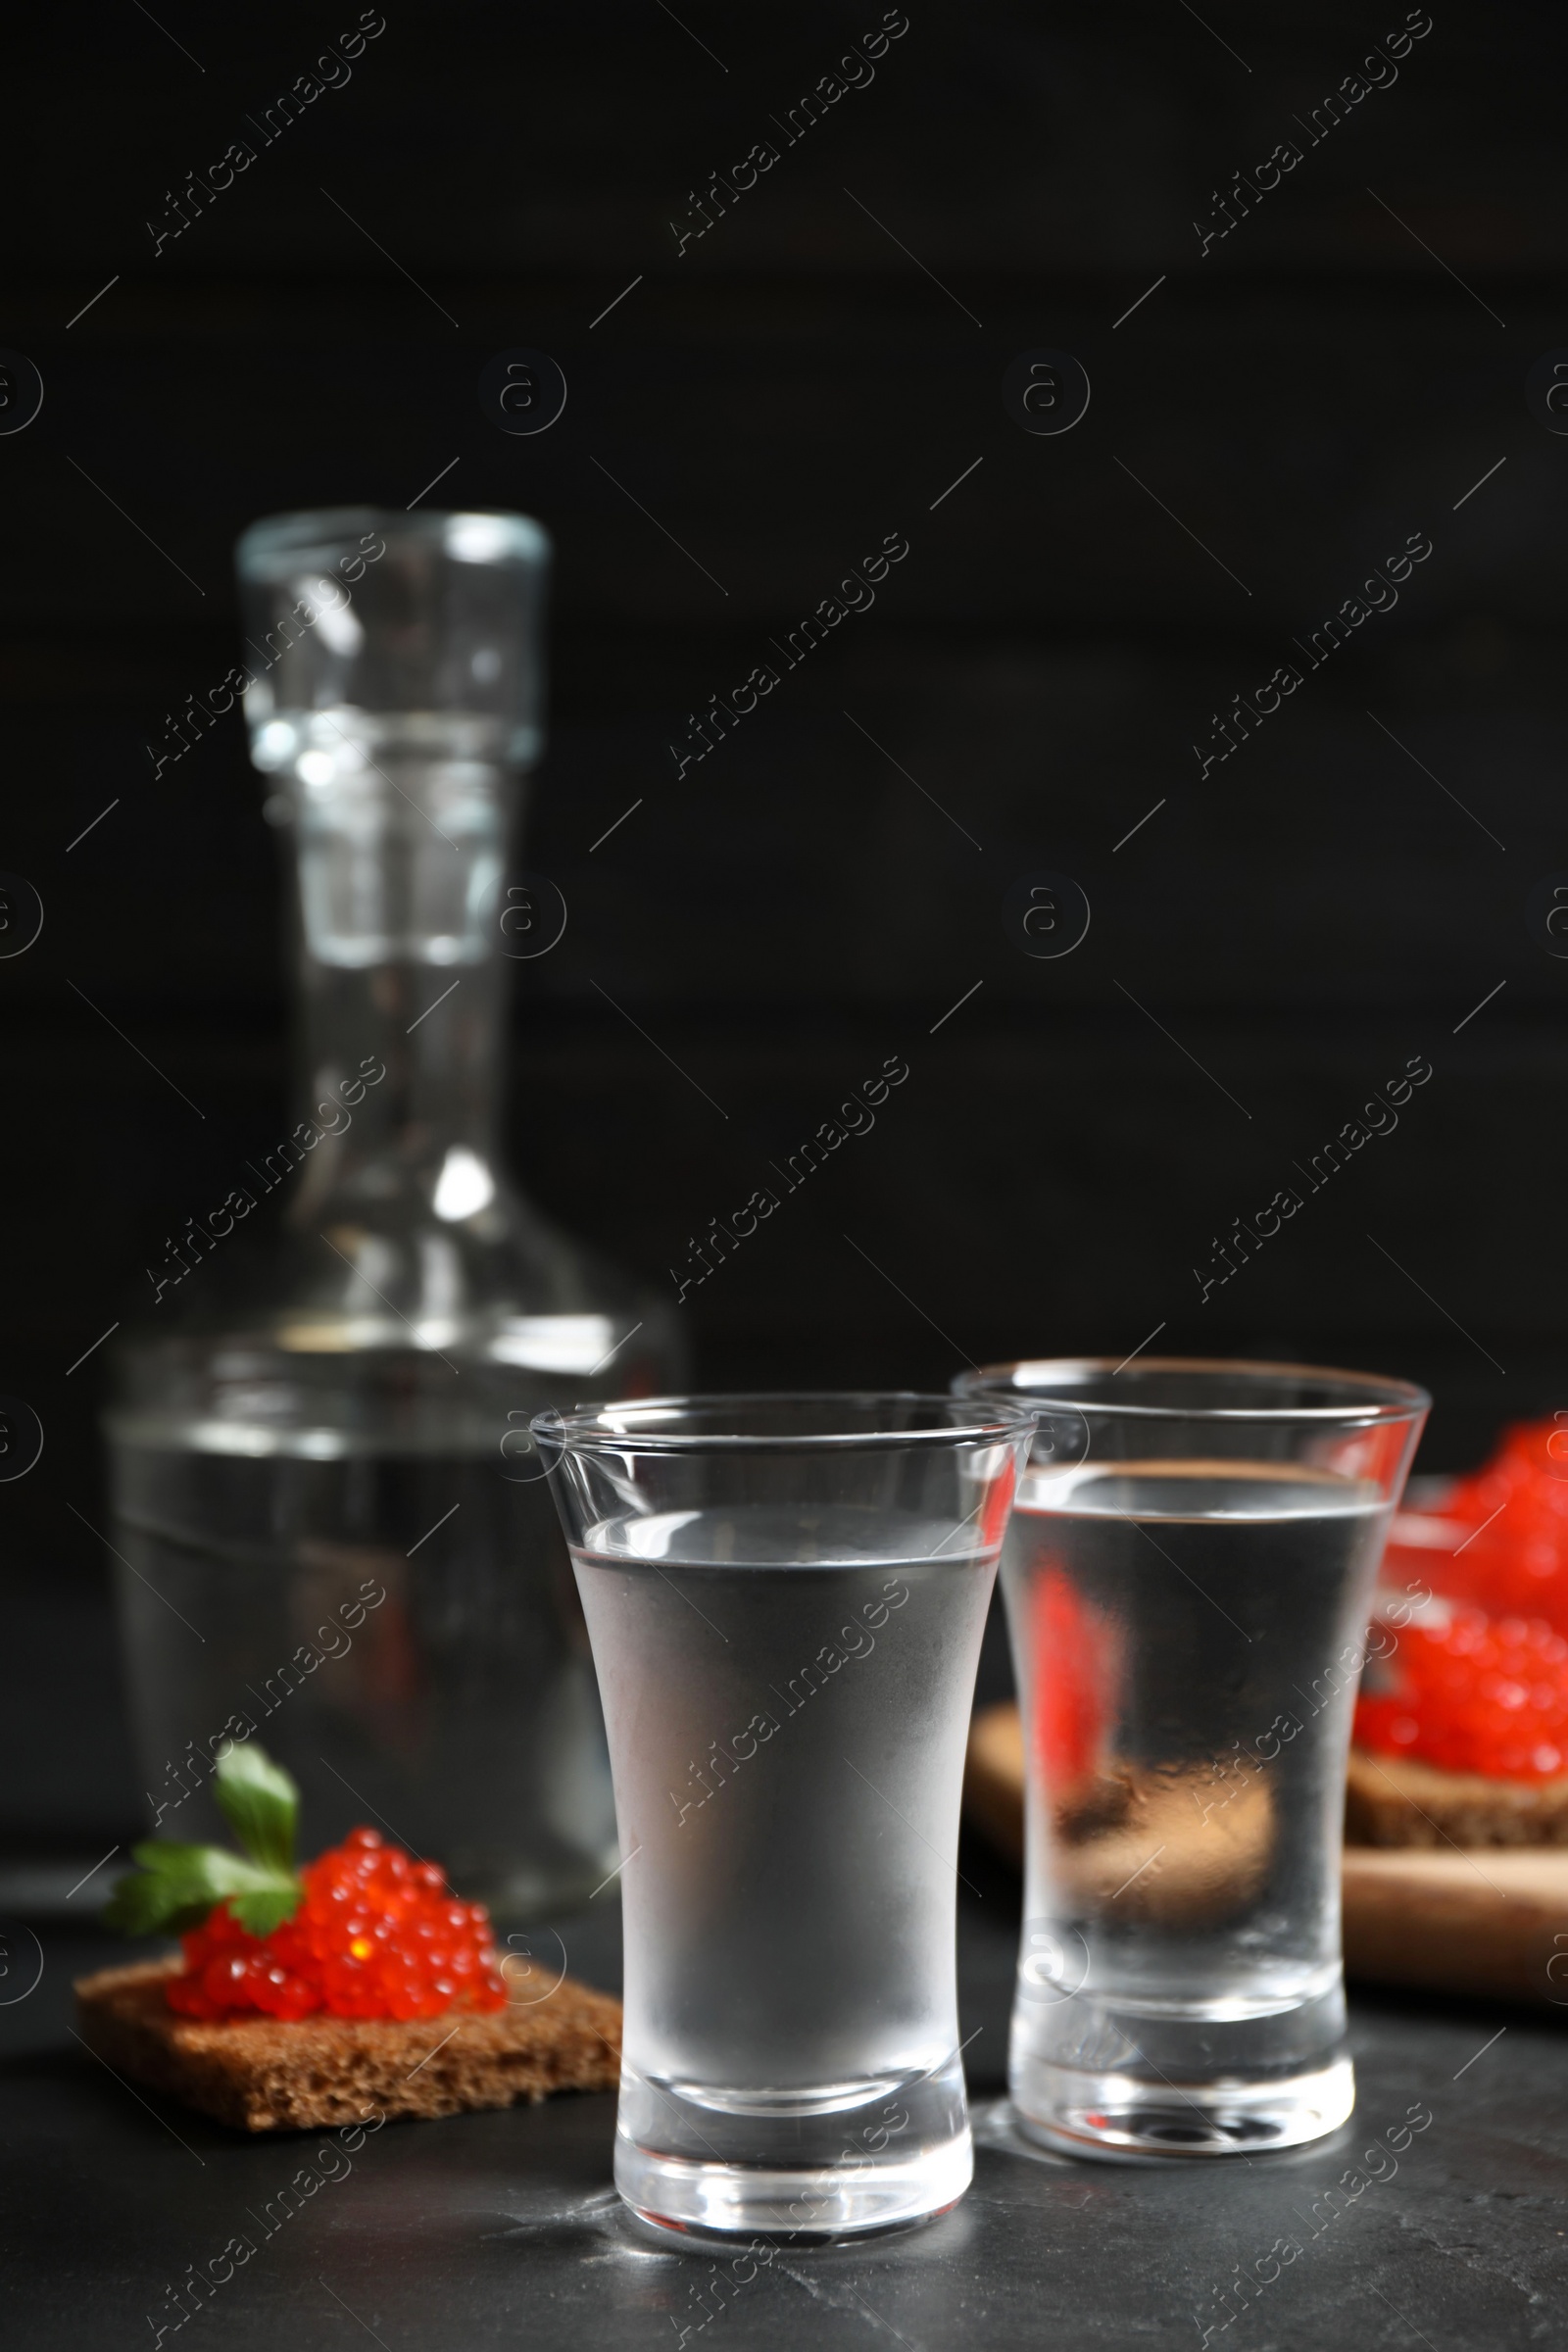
(333, 1527)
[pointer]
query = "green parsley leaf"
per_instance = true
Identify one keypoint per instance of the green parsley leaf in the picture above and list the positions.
(260, 1803)
(177, 1886)
(265, 1908)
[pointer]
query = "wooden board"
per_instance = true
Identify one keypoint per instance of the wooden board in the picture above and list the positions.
(1493, 1922)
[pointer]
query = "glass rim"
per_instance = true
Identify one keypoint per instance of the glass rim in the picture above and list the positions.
(1384, 1401)
(592, 1429)
(299, 529)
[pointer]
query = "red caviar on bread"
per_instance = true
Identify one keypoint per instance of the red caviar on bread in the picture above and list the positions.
(1473, 1694)
(1479, 1681)
(364, 1931)
(377, 1934)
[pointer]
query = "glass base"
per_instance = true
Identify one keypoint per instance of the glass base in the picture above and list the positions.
(673, 2193)
(1125, 2119)
(807, 2163)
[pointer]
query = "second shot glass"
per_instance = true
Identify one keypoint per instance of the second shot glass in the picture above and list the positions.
(1188, 1576)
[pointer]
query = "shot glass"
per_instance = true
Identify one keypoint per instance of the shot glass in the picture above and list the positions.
(785, 1596)
(1188, 1576)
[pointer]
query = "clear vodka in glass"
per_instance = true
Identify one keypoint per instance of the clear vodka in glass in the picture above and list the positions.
(1188, 1577)
(786, 1597)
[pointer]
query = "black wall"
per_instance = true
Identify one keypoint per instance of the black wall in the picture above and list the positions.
(1278, 416)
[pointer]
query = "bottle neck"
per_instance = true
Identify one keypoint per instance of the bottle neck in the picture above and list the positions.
(399, 1079)
(403, 1235)
(400, 866)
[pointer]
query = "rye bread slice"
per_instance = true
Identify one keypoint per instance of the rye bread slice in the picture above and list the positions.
(264, 2074)
(1399, 1800)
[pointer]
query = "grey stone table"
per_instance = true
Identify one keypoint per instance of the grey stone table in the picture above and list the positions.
(502, 2230)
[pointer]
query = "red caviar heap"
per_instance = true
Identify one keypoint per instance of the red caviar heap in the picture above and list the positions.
(1509, 1551)
(363, 1930)
(1479, 1694)
(377, 1934)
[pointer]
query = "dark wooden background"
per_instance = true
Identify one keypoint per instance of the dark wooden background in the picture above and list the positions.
(783, 394)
